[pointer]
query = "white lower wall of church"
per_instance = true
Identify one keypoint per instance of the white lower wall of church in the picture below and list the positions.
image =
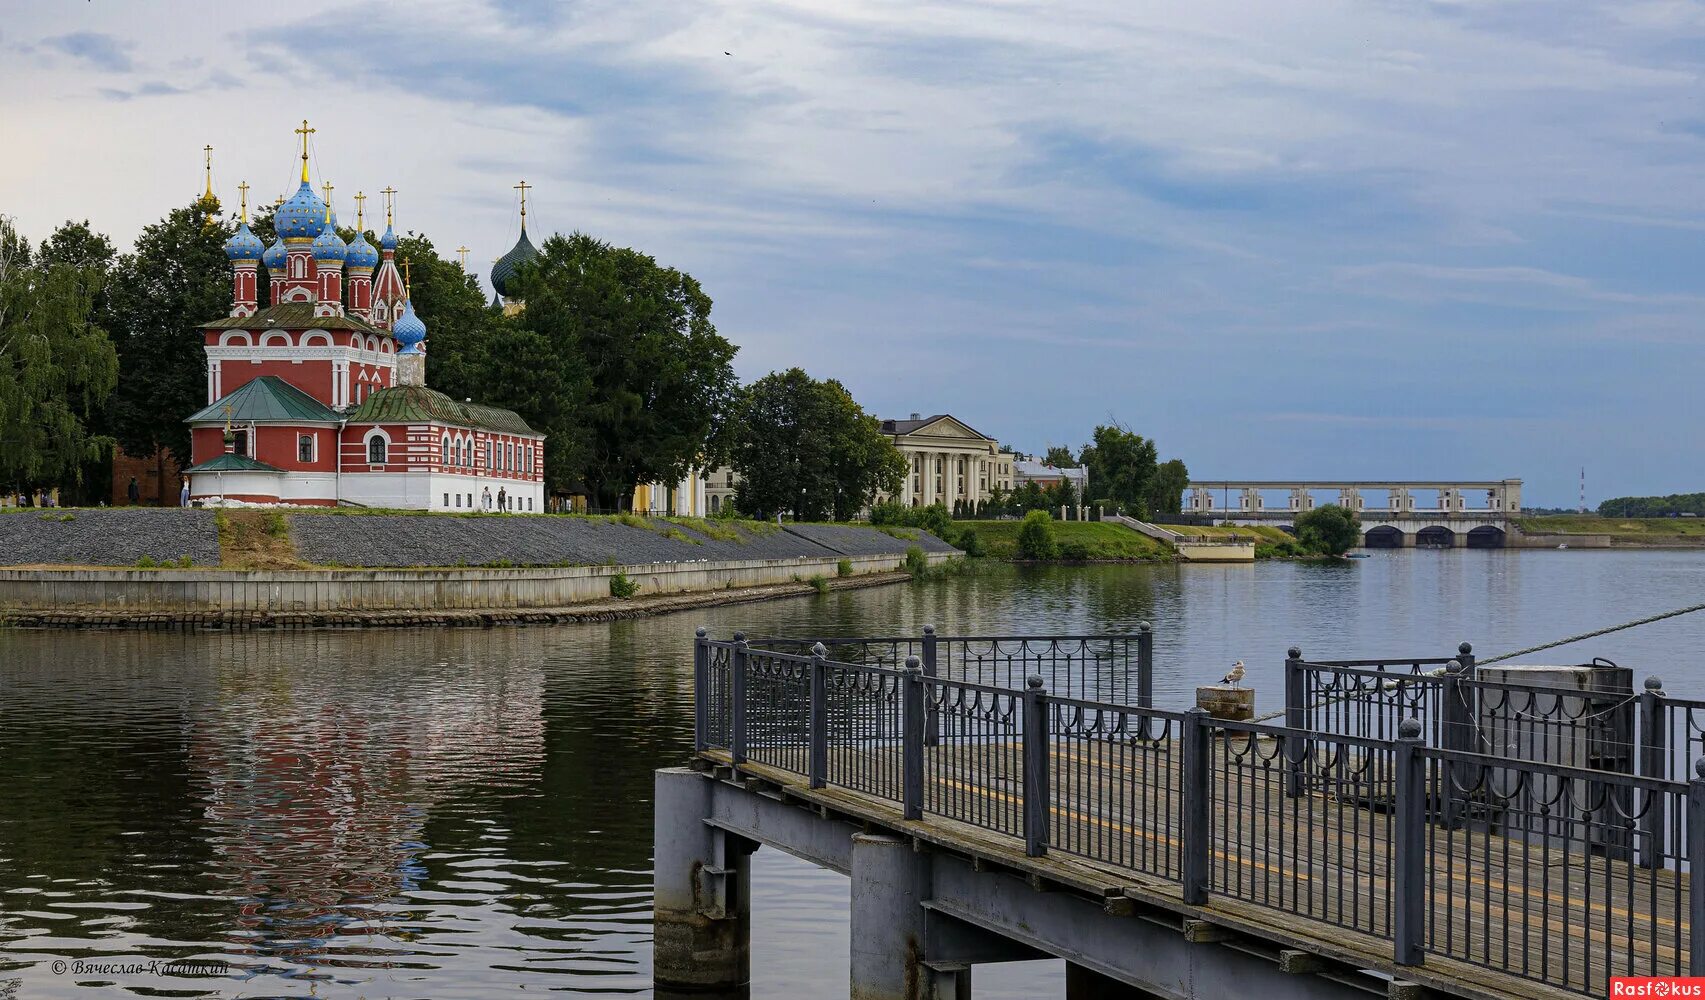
(400, 490)
(433, 491)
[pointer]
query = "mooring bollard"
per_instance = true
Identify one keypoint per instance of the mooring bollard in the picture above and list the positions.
(1222, 701)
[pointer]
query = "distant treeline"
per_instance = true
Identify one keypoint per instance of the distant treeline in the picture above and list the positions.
(1675, 503)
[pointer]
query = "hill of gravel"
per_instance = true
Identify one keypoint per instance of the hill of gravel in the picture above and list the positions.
(416, 540)
(119, 536)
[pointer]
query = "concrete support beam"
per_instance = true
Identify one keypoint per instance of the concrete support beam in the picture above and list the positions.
(1136, 952)
(1087, 984)
(701, 910)
(890, 882)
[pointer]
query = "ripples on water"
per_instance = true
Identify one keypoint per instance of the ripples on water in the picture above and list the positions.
(444, 814)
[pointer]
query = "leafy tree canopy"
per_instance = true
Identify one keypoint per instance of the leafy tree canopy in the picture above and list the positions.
(1060, 457)
(56, 364)
(1675, 503)
(806, 446)
(1328, 530)
(176, 279)
(658, 379)
(1121, 464)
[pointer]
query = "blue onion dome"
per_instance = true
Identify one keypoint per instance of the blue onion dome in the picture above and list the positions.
(275, 256)
(301, 218)
(506, 266)
(361, 253)
(408, 330)
(389, 240)
(244, 245)
(329, 245)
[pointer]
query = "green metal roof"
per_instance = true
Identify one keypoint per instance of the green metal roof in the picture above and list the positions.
(292, 316)
(232, 462)
(414, 404)
(265, 400)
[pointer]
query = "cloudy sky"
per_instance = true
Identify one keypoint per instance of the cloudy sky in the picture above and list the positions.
(1359, 239)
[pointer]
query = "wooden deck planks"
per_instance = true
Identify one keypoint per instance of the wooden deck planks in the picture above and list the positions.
(1566, 919)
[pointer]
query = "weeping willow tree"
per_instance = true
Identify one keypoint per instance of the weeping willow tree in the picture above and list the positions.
(56, 365)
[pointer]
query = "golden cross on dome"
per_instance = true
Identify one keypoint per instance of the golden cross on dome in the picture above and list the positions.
(462, 252)
(244, 189)
(522, 187)
(207, 164)
(407, 284)
(360, 212)
(390, 194)
(305, 132)
(326, 186)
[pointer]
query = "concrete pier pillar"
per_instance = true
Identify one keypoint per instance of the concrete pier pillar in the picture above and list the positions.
(1087, 984)
(702, 906)
(889, 882)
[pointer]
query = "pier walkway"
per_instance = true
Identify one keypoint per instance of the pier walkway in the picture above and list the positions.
(992, 809)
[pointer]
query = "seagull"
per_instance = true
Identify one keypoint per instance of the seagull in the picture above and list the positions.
(1236, 676)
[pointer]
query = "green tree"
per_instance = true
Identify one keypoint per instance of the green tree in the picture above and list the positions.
(1166, 487)
(658, 379)
(56, 365)
(1036, 537)
(459, 324)
(76, 244)
(1060, 457)
(176, 279)
(806, 446)
(1121, 464)
(1328, 530)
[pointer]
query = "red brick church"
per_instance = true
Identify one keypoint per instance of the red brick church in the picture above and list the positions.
(321, 398)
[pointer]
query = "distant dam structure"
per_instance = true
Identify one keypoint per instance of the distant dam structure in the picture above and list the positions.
(1436, 513)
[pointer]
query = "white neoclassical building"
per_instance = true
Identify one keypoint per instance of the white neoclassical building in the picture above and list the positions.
(947, 461)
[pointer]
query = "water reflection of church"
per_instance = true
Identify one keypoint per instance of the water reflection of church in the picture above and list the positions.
(319, 786)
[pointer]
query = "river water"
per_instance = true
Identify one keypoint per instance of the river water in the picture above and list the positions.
(444, 814)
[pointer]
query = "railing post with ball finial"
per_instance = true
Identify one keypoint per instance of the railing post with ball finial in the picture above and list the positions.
(817, 728)
(1296, 720)
(1653, 762)
(737, 684)
(701, 689)
(1409, 834)
(1036, 755)
(912, 739)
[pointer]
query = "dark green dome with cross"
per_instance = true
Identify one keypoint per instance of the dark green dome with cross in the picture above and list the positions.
(503, 272)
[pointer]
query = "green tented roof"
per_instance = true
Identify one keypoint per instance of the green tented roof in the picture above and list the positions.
(414, 404)
(232, 462)
(265, 400)
(292, 316)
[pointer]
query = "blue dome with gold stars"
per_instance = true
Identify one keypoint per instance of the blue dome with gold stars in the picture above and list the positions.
(408, 330)
(244, 245)
(302, 217)
(329, 245)
(389, 240)
(275, 256)
(361, 253)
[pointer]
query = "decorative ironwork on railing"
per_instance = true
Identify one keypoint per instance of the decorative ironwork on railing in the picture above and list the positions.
(1113, 668)
(1375, 813)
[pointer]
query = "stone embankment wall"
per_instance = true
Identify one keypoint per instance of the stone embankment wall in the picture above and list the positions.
(486, 563)
(242, 591)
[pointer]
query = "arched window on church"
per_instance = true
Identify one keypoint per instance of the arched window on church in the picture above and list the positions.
(444, 449)
(467, 453)
(376, 450)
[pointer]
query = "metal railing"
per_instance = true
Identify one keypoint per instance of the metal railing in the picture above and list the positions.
(1113, 668)
(1559, 874)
